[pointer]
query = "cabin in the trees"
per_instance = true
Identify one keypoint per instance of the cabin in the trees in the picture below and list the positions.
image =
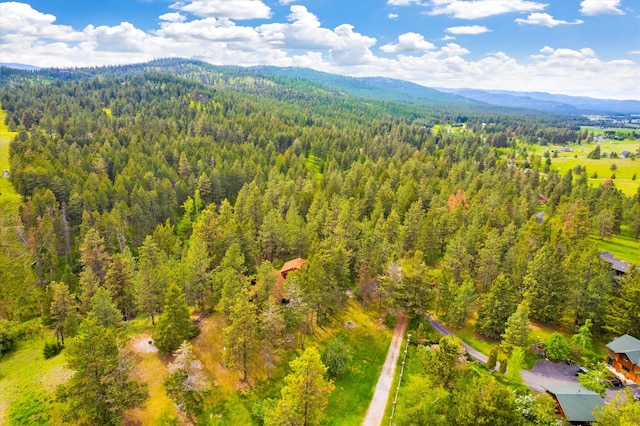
(624, 357)
(624, 154)
(576, 403)
(279, 292)
(619, 267)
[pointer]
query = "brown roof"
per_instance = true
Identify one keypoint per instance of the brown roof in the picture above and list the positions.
(292, 265)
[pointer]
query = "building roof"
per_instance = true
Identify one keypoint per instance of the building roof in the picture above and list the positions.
(616, 264)
(628, 345)
(578, 403)
(295, 264)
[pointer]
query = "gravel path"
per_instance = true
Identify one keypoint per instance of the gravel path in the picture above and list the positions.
(375, 413)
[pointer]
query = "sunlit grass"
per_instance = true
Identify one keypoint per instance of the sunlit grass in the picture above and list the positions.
(622, 246)
(28, 383)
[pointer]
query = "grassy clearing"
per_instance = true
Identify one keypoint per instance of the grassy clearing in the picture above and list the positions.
(28, 382)
(9, 200)
(622, 246)
(369, 343)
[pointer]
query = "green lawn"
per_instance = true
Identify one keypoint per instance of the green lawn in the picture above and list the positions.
(622, 246)
(9, 200)
(369, 342)
(28, 382)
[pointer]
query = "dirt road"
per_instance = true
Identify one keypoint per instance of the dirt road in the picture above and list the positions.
(375, 413)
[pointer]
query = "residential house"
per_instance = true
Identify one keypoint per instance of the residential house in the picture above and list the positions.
(619, 267)
(576, 403)
(624, 154)
(624, 357)
(279, 291)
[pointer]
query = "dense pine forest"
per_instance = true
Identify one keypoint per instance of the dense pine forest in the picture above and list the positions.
(150, 195)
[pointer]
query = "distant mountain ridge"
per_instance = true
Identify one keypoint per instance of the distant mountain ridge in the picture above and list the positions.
(375, 88)
(19, 66)
(548, 102)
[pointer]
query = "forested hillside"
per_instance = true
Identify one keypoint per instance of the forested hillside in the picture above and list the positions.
(156, 191)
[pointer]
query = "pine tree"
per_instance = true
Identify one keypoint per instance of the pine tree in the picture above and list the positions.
(305, 393)
(100, 390)
(105, 310)
(62, 306)
(186, 383)
(241, 335)
(463, 303)
(120, 283)
(516, 334)
(174, 325)
(496, 308)
(150, 279)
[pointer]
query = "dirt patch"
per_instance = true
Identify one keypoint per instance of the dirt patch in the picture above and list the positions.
(143, 344)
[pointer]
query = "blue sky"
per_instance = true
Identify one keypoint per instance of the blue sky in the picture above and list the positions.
(575, 47)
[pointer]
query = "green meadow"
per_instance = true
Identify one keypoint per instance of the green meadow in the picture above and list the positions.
(597, 170)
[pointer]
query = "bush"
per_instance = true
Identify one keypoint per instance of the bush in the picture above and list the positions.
(8, 336)
(337, 357)
(557, 348)
(52, 349)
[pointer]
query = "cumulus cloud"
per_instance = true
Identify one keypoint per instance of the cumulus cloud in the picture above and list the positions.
(476, 9)
(21, 23)
(546, 20)
(409, 42)
(468, 30)
(392, 16)
(600, 7)
(172, 17)
(236, 9)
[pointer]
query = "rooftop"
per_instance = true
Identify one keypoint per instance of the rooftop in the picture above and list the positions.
(578, 403)
(295, 264)
(627, 345)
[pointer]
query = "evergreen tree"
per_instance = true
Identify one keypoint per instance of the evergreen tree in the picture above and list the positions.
(545, 285)
(174, 325)
(305, 393)
(186, 383)
(492, 360)
(150, 279)
(120, 283)
(104, 309)
(241, 335)
(62, 307)
(516, 334)
(557, 347)
(100, 390)
(496, 308)
(463, 303)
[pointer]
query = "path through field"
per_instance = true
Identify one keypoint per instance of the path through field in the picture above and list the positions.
(375, 413)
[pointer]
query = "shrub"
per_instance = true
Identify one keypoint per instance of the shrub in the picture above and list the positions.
(557, 347)
(337, 356)
(52, 349)
(8, 336)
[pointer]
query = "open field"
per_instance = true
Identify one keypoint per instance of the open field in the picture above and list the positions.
(625, 168)
(9, 200)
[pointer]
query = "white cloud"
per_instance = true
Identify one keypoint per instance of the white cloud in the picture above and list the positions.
(173, 17)
(32, 37)
(235, 9)
(476, 9)
(468, 30)
(21, 23)
(285, 2)
(409, 42)
(392, 16)
(635, 52)
(546, 20)
(447, 38)
(600, 7)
